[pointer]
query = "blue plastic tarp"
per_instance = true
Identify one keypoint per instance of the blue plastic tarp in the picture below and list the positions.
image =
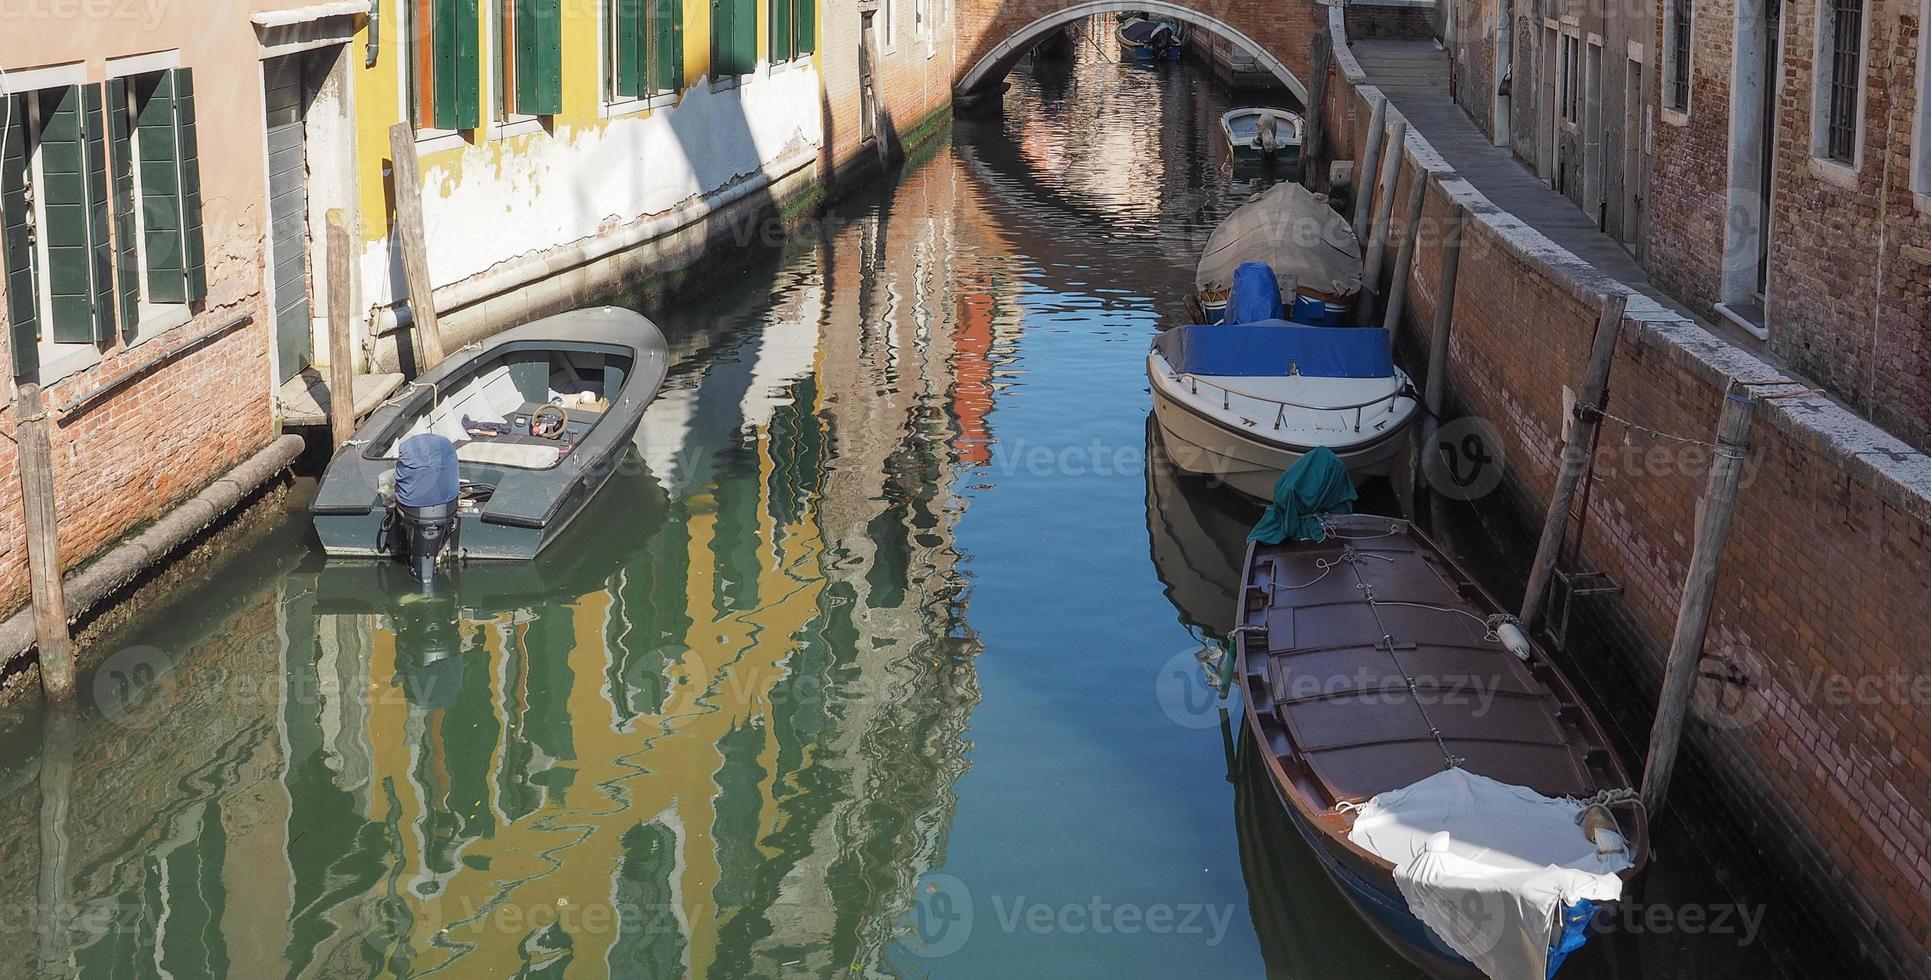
(1255, 295)
(426, 471)
(1276, 348)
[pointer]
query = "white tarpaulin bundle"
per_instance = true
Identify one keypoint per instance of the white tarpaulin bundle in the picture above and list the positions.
(1306, 243)
(1487, 865)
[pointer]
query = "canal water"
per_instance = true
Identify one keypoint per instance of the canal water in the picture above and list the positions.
(879, 658)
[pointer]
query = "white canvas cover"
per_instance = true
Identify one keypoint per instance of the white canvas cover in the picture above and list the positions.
(1306, 242)
(1487, 865)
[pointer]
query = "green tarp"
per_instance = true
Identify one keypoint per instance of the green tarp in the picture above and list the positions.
(1316, 484)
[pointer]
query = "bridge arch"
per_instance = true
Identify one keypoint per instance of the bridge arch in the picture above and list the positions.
(987, 71)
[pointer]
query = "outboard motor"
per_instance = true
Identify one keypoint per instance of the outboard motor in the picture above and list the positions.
(1255, 295)
(427, 485)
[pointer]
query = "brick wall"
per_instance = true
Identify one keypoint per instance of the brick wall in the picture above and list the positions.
(912, 74)
(1813, 745)
(1850, 260)
(1689, 167)
(1850, 264)
(1282, 29)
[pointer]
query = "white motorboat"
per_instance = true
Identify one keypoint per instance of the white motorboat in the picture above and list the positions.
(1243, 402)
(1263, 131)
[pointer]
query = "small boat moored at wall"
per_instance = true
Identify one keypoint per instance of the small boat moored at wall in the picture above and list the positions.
(1241, 402)
(1149, 39)
(494, 452)
(1442, 768)
(1310, 247)
(1263, 132)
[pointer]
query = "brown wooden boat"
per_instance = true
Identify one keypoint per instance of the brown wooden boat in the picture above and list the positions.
(1369, 663)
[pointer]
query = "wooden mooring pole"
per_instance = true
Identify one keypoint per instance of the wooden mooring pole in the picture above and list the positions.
(1384, 211)
(1699, 592)
(1363, 193)
(56, 645)
(1410, 238)
(1321, 51)
(408, 233)
(1435, 390)
(1577, 431)
(341, 358)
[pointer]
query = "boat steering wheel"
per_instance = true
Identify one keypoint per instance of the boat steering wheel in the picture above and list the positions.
(549, 430)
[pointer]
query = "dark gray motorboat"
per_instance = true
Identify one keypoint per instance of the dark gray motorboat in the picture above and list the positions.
(493, 453)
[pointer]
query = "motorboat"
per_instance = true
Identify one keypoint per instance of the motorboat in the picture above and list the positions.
(492, 454)
(1263, 132)
(1309, 245)
(1149, 39)
(1444, 771)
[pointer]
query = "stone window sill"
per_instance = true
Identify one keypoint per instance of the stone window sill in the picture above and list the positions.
(1676, 117)
(1842, 175)
(625, 107)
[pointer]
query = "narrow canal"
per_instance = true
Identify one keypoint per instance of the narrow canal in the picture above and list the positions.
(878, 660)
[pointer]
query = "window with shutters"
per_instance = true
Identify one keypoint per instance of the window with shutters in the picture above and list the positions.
(643, 52)
(794, 29)
(1837, 108)
(528, 59)
(1921, 125)
(154, 173)
(734, 39)
(442, 64)
(54, 221)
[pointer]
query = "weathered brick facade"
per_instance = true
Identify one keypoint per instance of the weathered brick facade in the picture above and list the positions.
(1808, 722)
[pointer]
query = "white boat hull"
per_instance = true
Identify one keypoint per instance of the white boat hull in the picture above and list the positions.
(1251, 458)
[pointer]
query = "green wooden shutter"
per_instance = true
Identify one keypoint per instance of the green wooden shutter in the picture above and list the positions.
(127, 254)
(805, 26)
(539, 57)
(667, 62)
(187, 149)
(458, 82)
(74, 201)
(781, 48)
(100, 247)
(734, 37)
(167, 275)
(629, 64)
(16, 242)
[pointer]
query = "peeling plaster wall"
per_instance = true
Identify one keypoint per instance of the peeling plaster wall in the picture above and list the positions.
(511, 198)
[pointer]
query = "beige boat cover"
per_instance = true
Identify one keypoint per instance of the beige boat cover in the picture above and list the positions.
(1287, 227)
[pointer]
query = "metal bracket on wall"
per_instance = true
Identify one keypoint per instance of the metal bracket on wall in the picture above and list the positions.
(375, 33)
(1569, 586)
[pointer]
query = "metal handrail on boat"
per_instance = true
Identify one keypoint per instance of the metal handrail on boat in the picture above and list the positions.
(1282, 405)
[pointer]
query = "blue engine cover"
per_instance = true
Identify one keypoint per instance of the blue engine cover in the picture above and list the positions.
(1254, 296)
(426, 471)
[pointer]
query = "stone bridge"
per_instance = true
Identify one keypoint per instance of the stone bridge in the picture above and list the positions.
(994, 34)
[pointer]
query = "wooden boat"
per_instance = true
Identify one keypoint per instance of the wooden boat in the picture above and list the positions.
(1263, 131)
(1149, 39)
(1241, 403)
(534, 421)
(1348, 649)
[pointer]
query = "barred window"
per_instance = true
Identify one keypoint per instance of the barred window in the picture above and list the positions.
(1679, 75)
(1846, 72)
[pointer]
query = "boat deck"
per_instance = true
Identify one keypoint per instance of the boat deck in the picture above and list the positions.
(1380, 670)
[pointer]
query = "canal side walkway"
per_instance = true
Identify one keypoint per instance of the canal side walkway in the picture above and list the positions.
(1414, 75)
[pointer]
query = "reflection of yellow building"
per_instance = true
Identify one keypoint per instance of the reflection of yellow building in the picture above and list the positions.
(716, 733)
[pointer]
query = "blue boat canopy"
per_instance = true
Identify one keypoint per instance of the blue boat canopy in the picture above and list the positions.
(1255, 295)
(1276, 348)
